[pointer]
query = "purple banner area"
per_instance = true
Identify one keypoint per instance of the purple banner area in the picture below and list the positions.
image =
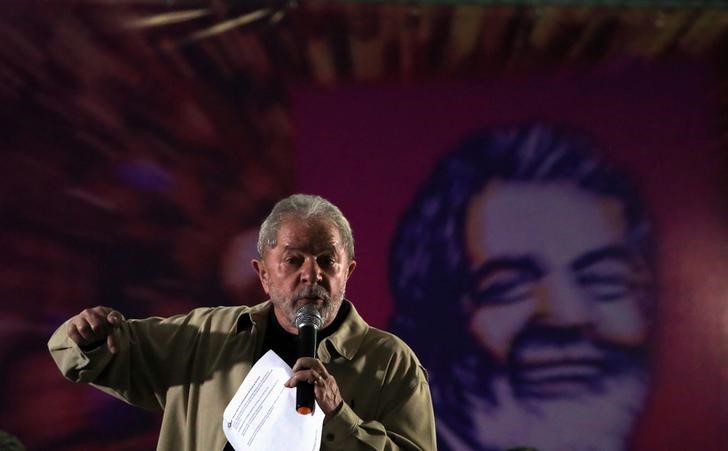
(370, 148)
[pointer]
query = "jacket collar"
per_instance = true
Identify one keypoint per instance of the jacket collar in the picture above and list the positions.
(347, 340)
(344, 342)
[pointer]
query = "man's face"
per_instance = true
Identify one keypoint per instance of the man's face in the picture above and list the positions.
(557, 299)
(308, 265)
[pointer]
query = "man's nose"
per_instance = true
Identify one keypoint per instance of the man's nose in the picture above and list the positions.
(563, 303)
(310, 271)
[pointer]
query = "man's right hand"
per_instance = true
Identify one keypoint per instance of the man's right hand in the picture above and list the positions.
(94, 325)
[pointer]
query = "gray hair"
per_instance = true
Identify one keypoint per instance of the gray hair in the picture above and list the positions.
(305, 207)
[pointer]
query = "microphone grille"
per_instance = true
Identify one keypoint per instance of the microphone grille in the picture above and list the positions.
(308, 315)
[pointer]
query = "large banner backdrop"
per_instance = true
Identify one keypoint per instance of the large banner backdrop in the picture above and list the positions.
(551, 245)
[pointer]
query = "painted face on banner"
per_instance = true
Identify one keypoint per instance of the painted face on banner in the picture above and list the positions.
(556, 310)
(555, 292)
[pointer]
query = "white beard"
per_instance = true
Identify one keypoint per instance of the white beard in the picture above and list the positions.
(288, 305)
(594, 422)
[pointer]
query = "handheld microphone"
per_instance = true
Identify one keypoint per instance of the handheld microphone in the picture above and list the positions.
(308, 322)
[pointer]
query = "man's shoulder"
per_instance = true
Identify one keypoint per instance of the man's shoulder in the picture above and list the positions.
(381, 339)
(401, 361)
(223, 310)
(220, 316)
(373, 339)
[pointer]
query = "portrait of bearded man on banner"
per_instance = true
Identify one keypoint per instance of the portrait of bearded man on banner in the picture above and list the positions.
(522, 276)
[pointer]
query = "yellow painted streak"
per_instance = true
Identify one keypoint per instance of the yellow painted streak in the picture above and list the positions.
(167, 18)
(227, 25)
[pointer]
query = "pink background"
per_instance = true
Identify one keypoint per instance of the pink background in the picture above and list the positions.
(367, 148)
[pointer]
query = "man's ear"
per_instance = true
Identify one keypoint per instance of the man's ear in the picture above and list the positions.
(350, 269)
(262, 271)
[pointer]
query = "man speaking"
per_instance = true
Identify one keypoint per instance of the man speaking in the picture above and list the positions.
(368, 383)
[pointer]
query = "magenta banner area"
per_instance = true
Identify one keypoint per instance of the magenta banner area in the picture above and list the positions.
(371, 149)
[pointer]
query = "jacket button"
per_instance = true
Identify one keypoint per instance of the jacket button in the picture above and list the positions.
(330, 437)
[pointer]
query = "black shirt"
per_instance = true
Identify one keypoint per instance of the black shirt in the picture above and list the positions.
(286, 345)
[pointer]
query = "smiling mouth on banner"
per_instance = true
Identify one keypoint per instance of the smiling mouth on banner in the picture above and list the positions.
(551, 372)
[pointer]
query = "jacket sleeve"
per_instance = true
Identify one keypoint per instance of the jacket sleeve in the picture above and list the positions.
(405, 421)
(151, 352)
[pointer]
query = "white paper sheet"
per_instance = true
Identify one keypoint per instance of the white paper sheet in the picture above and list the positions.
(262, 415)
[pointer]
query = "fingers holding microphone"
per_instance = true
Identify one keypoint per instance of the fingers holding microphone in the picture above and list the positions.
(326, 390)
(95, 325)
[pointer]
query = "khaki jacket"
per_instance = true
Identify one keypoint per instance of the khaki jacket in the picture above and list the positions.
(190, 366)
